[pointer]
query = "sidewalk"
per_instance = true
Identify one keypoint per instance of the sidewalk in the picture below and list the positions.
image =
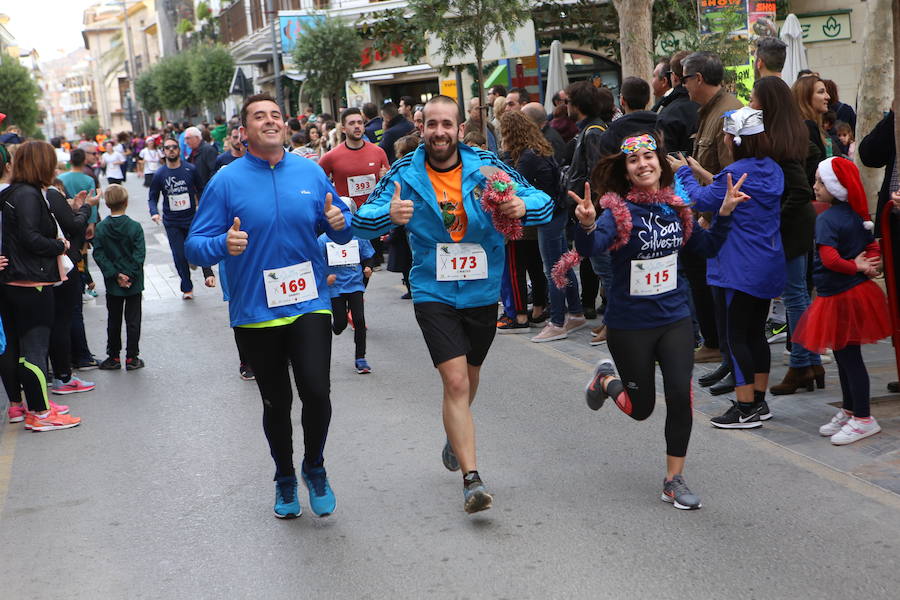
(797, 417)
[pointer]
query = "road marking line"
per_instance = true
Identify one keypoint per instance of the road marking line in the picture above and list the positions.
(848, 480)
(7, 454)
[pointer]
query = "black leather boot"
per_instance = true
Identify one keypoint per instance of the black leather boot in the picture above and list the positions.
(724, 386)
(715, 376)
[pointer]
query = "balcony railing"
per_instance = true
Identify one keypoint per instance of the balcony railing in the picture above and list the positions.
(233, 22)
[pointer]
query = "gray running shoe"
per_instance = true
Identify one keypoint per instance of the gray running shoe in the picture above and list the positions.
(475, 496)
(676, 492)
(449, 457)
(594, 393)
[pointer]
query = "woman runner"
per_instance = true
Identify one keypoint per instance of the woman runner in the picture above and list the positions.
(644, 227)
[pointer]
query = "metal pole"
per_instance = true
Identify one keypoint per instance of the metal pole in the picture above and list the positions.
(276, 55)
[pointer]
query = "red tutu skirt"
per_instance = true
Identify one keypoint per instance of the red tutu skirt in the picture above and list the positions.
(857, 316)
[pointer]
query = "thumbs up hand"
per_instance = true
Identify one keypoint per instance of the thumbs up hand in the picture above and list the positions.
(401, 210)
(334, 214)
(584, 211)
(236, 240)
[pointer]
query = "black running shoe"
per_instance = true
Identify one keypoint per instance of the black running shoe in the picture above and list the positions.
(111, 363)
(449, 458)
(86, 364)
(735, 418)
(133, 363)
(247, 373)
(594, 393)
(764, 413)
(676, 492)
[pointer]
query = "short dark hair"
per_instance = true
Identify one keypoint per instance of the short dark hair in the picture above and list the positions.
(676, 64)
(293, 124)
(77, 157)
(405, 145)
(255, 98)
(524, 96)
(220, 120)
(408, 101)
(370, 111)
(772, 52)
(349, 112)
(56, 141)
(390, 110)
(442, 99)
(804, 72)
(636, 93)
(498, 89)
(586, 97)
(707, 64)
(232, 128)
(556, 99)
(664, 72)
(611, 173)
(298, 138)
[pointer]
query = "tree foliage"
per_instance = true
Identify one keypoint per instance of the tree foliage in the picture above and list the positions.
(145, 91)
(89, 128)
(171, 81)
(211, 69)
(327, 52)
(394, 28)
(18, 95)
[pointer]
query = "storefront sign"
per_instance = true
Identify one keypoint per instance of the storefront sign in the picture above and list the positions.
(825, 28)
(448, 87)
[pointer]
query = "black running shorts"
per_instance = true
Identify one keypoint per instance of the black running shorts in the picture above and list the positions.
(450, 332)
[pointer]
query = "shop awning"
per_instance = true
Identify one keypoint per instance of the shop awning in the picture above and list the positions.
(500, 76)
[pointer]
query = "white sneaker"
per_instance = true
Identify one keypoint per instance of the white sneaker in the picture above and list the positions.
(827, 358)
(574, 323)
(551, 333)
(855, 430)
(835, 424)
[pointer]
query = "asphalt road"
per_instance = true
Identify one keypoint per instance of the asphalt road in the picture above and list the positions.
(165, 490)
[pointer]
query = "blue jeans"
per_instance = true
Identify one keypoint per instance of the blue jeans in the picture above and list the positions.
(552, 242)
(177, 234)
(796, 301)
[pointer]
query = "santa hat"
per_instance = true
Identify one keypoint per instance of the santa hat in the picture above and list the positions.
(841, 179)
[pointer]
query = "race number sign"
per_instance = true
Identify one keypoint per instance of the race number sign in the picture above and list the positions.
(343, 254)
(456, 262)
(654, 276)
(290, 285)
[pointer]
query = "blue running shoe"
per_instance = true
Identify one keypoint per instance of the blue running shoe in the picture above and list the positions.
(449, 458)
(362, 366)
(321, 498)
(287, 505)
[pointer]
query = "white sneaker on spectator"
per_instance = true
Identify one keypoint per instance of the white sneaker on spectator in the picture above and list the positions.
(855, 430)
(835, 424)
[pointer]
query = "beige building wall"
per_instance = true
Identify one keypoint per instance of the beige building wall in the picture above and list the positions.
(839, 60)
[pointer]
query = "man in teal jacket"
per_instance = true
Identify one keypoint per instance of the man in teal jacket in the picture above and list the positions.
(458, 259)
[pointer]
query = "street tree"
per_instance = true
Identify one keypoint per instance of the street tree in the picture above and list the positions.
(89, 128)
(466, 27)
(146, 92)
(211, 68)
(635, 37)
(327, 53)
(171, 81)
(18, 95)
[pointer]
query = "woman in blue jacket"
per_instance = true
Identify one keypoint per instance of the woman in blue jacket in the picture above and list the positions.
(749, 270)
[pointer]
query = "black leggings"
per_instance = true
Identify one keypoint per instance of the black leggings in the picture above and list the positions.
(854, 380)
(695, 270)
(27, 320)
(525, 256)
(305, 347)
(635, 351)
(745, 321)
(66, 297)
(353, 302)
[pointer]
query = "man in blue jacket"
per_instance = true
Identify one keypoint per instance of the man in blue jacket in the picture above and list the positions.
(458, 258)
(261, 218)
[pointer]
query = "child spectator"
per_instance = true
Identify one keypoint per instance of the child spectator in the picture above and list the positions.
(475, 139)
(850, 310)
(846, 139)
(119, 251)
(348, 266)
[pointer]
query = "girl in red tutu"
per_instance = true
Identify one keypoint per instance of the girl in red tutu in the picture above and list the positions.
(850, 309)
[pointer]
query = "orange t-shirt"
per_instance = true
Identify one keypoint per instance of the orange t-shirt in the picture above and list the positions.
(448, 194)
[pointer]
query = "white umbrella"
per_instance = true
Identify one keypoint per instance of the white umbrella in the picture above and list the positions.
(792, 35)
(556, 75)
